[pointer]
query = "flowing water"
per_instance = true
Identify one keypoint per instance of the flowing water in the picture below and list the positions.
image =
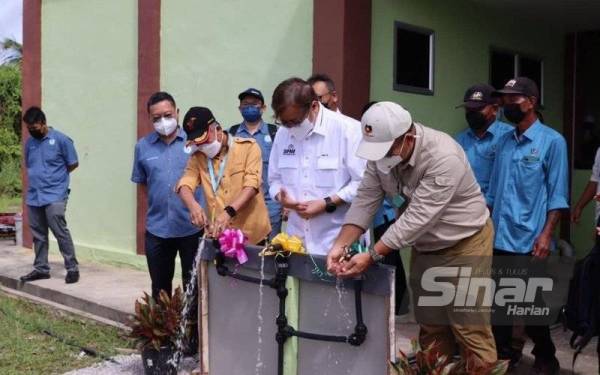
(188, 300)
(259, 363)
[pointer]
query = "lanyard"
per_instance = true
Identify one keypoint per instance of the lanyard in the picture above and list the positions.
(216, 181)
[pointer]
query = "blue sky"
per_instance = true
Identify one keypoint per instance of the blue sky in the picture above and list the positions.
(11, 19)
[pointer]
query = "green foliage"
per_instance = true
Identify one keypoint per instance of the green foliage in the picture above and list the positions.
(10, 130)
(430, 362)
(156, 324)
(25, 349)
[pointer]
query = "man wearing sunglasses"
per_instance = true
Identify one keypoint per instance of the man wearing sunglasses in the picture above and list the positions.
(313, 169)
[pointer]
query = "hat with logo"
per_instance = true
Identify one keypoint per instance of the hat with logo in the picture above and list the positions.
(196, 122)
(381, 125)
(478, 96)
(251, 92)
(520, 86)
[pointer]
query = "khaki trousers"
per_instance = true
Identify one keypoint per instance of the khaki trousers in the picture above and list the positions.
(447, 326)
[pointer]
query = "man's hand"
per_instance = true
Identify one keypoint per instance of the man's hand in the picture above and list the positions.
(356, 265)
(286, 200)
(576, 214)
(541, 246)
(221, 223)
(197, 216)
(334, 258)
(310, 209)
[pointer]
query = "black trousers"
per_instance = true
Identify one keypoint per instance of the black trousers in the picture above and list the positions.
(394, 259)
(161, 254)
(540, 334)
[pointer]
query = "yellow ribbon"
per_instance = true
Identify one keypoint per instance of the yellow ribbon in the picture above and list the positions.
(291, 244)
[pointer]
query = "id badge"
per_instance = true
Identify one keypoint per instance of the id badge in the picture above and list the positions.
(398, 201)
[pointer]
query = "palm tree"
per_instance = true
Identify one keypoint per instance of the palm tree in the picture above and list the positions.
(11, 51)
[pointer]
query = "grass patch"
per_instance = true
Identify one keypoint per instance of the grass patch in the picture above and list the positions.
(10, 204)
(25, 349)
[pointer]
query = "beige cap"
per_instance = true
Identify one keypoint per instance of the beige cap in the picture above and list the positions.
(381, 125)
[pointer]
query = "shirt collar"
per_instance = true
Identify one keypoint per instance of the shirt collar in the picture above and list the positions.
(263, 128)
(531, 133)
(321, 121)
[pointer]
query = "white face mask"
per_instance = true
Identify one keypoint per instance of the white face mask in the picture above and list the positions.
(386, 164)
(300, 131)
(165, 126)
(211, 149)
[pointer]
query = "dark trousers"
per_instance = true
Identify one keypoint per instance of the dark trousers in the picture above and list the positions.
(394, 259)
(51, 216)
(503, 329)
(160, 255)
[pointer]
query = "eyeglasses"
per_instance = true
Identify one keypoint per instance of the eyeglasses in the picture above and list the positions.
(294, 122)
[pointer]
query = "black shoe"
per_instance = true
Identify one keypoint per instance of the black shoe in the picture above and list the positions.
(35, 275)
(72, 277)
(544, 366)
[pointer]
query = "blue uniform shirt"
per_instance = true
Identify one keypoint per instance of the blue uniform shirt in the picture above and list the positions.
(159, 166)
(481, 152)
(47, 160)
(530, 178)
(263, 139)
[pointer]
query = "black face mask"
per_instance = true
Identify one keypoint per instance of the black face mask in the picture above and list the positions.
(513, 113)
(325, 105)
(476, 120)
(37, 134)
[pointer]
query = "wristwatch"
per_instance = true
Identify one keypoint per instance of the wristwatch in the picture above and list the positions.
(375, 255)
(329, 205)
(230, 211)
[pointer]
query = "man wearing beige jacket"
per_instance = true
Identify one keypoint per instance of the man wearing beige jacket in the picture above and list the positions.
(443, 216)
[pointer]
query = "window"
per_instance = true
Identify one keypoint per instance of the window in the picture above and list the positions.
(413, 59)
(505, 65)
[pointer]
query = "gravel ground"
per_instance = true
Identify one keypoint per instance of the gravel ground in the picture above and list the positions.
(128, 365)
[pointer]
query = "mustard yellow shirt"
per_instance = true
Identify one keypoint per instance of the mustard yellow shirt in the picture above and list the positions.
(243, 168)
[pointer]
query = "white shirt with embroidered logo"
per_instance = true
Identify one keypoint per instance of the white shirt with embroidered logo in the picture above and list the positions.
(321, 164)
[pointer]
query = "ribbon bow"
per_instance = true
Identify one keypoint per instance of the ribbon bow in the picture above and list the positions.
(291, 244)
(232, 244)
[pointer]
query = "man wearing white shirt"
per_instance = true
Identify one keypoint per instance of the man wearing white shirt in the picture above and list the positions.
(313, 170)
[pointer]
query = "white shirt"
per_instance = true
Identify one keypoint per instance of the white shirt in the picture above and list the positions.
(595, 177)
(322, 164)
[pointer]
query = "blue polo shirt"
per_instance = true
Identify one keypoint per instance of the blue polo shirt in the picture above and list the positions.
(263, 138)
(530, 178)
(47, 160)
(159, 166)
(481, 152)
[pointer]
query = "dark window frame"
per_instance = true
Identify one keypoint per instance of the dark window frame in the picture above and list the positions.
(420, 30)
(516, 72)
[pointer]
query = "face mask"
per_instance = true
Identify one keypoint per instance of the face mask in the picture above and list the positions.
(300, 131)
(211, 149)
(513, 113)
(386, 164)
(37, 134)
(251, 113)
(476, 120)
(165, 126)
(326, 105)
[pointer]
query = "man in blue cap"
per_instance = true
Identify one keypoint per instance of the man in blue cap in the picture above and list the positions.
(252, 106)
(481, 138)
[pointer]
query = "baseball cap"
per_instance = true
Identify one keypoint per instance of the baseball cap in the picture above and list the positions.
(252, 92)
(196, 122)
(478, 96)
(381, 125)
(520, 85)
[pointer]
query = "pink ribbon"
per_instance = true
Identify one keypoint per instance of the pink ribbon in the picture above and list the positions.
(232, 244)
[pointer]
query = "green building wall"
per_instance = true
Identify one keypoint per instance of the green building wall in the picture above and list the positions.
(89, 92)
(213, 50)
(464, 34)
